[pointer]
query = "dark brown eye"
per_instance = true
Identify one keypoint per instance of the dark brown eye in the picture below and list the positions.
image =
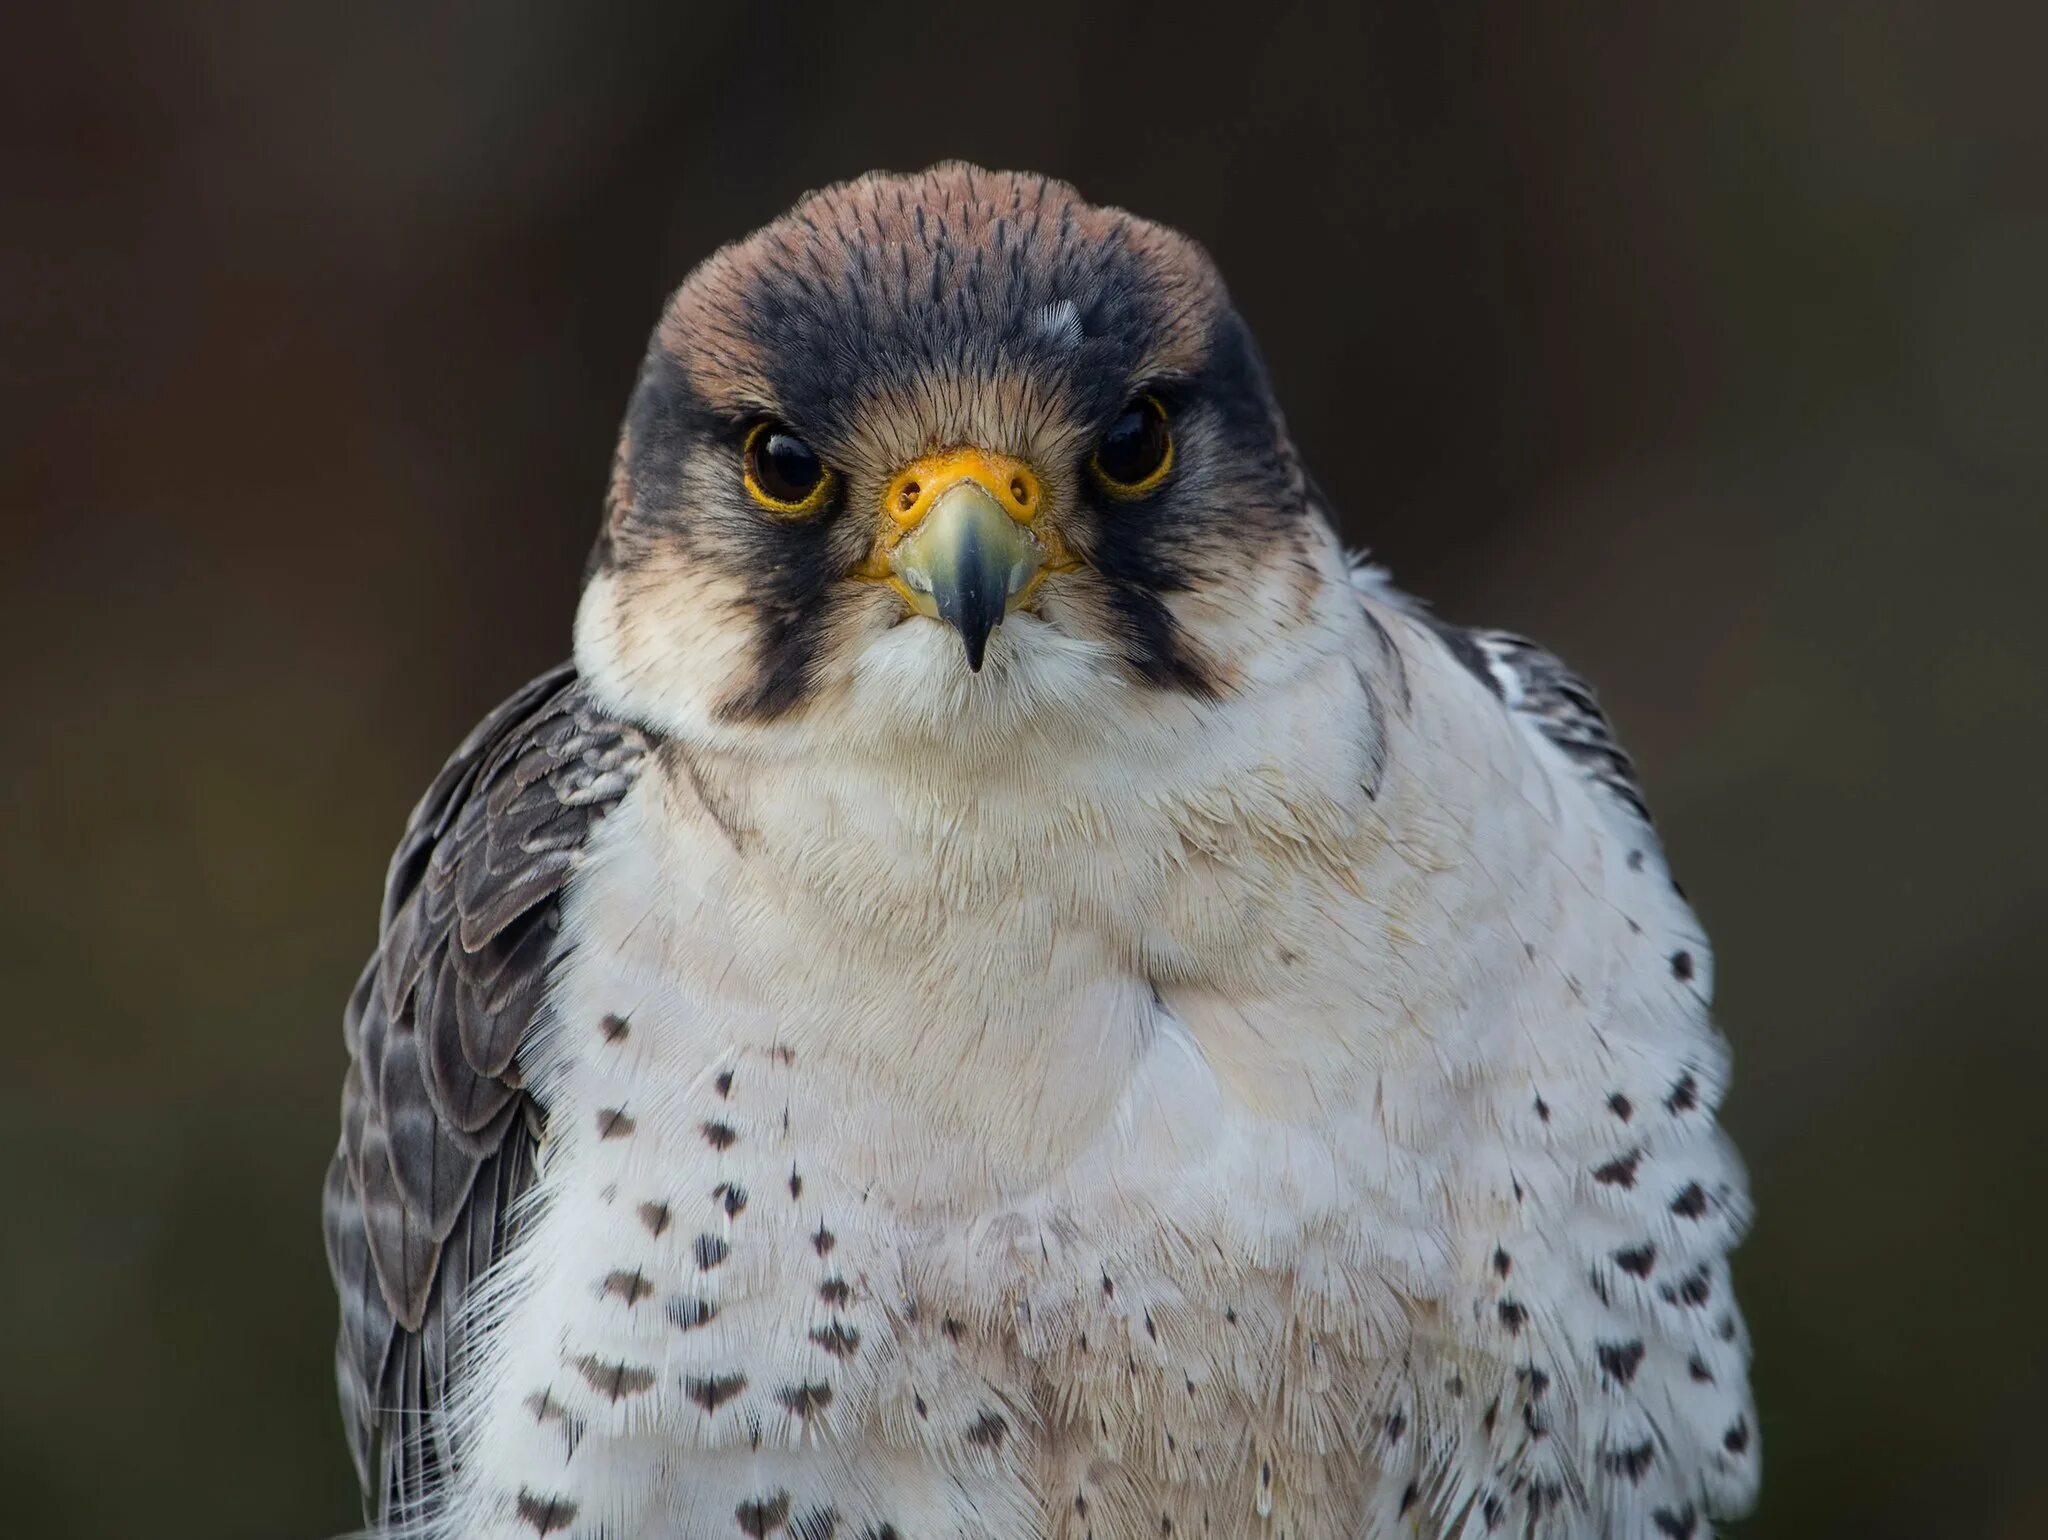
(783, 473)
(1137, 451)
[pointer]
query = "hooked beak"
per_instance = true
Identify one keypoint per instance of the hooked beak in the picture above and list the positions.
(969, 559)
(967, 553)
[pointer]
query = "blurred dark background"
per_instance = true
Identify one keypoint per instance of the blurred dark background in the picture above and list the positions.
(1707, 343)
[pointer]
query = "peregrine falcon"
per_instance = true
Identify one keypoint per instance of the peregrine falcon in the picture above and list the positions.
(1012, 989)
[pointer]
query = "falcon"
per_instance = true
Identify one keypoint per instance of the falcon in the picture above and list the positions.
(1012, 989)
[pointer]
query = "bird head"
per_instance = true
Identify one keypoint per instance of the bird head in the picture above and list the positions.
(938, 453)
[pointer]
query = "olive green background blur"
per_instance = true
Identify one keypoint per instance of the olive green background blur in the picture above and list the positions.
(1707, 343)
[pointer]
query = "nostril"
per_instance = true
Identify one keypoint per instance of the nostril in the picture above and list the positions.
(1020, 491)
(907, 498)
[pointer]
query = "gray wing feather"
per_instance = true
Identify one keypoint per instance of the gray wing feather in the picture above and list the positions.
(1536, 685)
(438, 1138)
(1566, 711)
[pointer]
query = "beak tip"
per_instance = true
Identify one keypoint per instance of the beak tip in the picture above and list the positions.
(970, 557)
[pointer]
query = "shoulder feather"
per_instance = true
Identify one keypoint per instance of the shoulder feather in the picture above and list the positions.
(1536, 687)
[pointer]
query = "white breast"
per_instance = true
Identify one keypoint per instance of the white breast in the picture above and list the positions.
(1203, 1143)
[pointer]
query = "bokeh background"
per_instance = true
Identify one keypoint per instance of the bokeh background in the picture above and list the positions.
(1707, 343)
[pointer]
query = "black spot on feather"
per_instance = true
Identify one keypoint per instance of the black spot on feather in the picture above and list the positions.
(1631, 1462)
(688, 1314)
(1637, 1260)
(1619, 1172)
(613, 1380)
(1691, 1291)
(805, 1400)
(1619, 1360)
(545, 1515)
(631, 1286)
(713, 1391)
(759, 1517)
(838, 1339)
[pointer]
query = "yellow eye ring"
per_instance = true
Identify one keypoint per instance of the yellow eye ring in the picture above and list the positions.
(1135, 453)
(784, 474)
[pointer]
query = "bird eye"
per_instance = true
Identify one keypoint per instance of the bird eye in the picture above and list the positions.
(1137, 451)
(782, 472)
